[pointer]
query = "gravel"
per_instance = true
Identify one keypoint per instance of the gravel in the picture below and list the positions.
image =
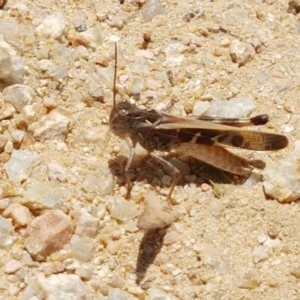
(66, 229)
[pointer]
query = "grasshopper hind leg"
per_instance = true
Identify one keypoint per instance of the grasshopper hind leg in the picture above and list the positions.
(174, 172)
(126, 171)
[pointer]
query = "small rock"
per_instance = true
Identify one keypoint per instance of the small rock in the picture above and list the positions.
(18, 95)
(156, 214)
(5, 64)
(121, 209)
(4, 203)
(30, 114)
(281, 180)
(48, 233)
(116, 293)
(51, 69)
(17, 135)
(11, 65)
(113, 247)
(249, 280)
(100, 182)
(116, 281)
(95, 135)
(233, 108)
(51, 126)
(200, 107)
(44, 195)
(83, 248)
(174, 56)
(91, 38)
(63, 286)
(151, 9)
(20, 214)
(260, 254)
(7, 189)
(87, 225)
(118, 21)
(241, 52)
(6, 231)
(12, 266)
(56, 171)
(154, 293)
(85, 272)
(20, 165)
(52, 26)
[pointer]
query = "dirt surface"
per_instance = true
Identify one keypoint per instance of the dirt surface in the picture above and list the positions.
(239, 245)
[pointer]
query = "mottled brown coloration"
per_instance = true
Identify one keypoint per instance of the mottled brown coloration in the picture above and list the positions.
(200, 137)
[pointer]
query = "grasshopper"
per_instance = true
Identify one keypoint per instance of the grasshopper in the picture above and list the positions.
(200, 137)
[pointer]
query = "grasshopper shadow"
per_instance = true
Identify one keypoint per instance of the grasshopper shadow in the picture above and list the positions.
(149, 248)
(148, 170)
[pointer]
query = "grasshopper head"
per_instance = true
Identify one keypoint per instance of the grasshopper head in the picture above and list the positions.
(120, 117)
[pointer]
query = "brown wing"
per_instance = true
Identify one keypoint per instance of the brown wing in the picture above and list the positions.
(204, 132)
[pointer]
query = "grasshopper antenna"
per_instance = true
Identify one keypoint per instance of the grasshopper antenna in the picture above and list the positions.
(115, 76)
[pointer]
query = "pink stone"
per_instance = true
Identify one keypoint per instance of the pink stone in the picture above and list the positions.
(48, 233)
(12, 266)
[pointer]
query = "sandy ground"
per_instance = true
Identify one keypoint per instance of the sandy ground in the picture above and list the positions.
(239, 245)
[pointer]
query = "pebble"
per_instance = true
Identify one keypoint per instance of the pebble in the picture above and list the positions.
(249, 280)
(52, 26)
(200, 107)
(155, 214)
(96, 135)
(87, 225)
(241, 52)
(19, 213)
(51, 126)
(62, 286)
(20, 165)
(151, 9)
(281, 179)
(44, 195)
(17, 135)
(12, 266)
(154, 293)
(116, 293)
(174, 56)
(85, 272)
(100, 182)
(6, 232)
(121, 209)
(233, 108)
(5, 64)
(11, 65)
(56, 171)
(261, 253)
(91, 38)
(48, 233)
(7, 189)
(18, 95)
(83, 248)
(286, 129)
(51, 69)
(116, 281)
(4, 203)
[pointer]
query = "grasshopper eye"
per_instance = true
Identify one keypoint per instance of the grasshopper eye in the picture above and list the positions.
(123, 112)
